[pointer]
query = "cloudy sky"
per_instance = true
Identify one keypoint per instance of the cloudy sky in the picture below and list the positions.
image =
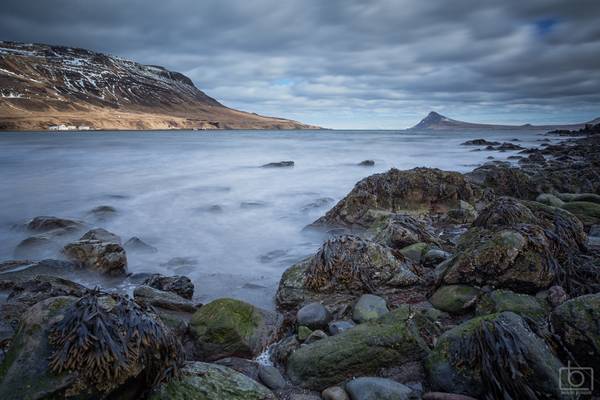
(350, 63)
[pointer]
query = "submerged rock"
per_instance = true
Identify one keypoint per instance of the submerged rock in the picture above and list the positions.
(366, 163)
(161, 299)
(479, 142)
(280, 164)
(180, 285)
(202, 381)
(104, 257)
(496, 355)
(45, 224)
(228, 327)
(136, 244)
(345, 265)
(393, 339)
(419, 191)
(103, 213)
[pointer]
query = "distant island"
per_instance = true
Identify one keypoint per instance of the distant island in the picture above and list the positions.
(44, 87)
(435, 121)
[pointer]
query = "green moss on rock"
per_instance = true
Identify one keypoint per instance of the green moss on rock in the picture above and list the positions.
(455, 299)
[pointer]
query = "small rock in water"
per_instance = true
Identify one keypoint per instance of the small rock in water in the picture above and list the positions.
(102, 235)
(103, 213)
(366, 163)
(271, 377)
(272, 256)
(369, 307)
(136, 244)
(280, 164)
(104, 257)
(377, 389)
(45, 224)
(161, 299)
(179, 261)
(35, 247)
(252, 204)
(314, 316)
(180, 285)
(336, 327)
(334, 393)
(215, 208)
(479, 142)
(318, 203)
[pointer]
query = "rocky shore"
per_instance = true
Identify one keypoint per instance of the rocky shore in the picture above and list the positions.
(432, 285)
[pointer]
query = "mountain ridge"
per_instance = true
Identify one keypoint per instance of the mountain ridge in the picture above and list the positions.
(44, 86)
(436, 121)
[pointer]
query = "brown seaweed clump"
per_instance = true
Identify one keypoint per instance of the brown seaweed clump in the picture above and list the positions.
(108, 339)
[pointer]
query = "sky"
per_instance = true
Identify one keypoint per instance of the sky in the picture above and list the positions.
(355, 64)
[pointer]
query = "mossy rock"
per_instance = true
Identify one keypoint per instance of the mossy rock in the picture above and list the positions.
(507, 300)
(455, 299)
(577, 321)
(588, 197)
(467, 359)
(202, 381)
(25, 372)
(228, 327)
(550, 200)
(415, 251)
(587, 212)
(393, 339)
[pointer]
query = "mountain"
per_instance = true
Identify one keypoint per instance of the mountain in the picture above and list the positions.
(43, 86)
(435, 121)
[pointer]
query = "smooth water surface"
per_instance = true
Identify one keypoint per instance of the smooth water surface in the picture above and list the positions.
(204, 195)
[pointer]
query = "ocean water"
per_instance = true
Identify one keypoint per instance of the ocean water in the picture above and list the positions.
(204, 197)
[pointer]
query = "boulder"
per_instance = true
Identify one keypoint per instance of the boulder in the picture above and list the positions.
(398, 231)
(415, 251)
(136, 244)
(42, 287)
(587, 212)
(587, 197)
(504, 180)
(161, 299)
(46, 224)
(228, 327)
(577, 321)
(313, 316)
(345, 266)
(455, 299)
(497, 356)
(271, 377)
(369, 307)
(102, 235)
(36, 247)
(505, 300)
(393, 339)
(419, 191)
(334, 393)
(180, 285)
(549, 200)
(202, 381)
(370, 388)
(434, 257)
(104, 257)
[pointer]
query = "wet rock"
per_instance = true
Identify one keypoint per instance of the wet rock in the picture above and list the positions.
(554, 296)
(180, 285)
(550, 200)
(303, 333)
(366, 163)
(102, 235)
(284, 348)
(337, 327)
(505, 300)
(479, 142)
(348, 266)
(398, 231)
(509, 146)
(393, 339)
(587, 197)
(464, 359)
(35, 247)
(280, 164)
(46, 224)
(161, 299)
(315, 336)
(202, 381)
(106, 258)
(415, 251)
(378, 389)
(271, 377)
(334, 393)
(587, 212)
(136, 244)
(318, 203)
(228, 327)
(419, 191)
(42, 287)
(455, 299)
(504, 180)
(434, 257)
(368, 308)
(241, 365)
(577, 323)
(17, 271)
(465, 213)
(103, 213)
(180, 261)
(313, 316)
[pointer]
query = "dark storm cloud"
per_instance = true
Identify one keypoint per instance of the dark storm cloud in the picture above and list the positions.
(350, 63)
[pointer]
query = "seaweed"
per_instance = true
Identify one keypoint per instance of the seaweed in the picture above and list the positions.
(106, 345)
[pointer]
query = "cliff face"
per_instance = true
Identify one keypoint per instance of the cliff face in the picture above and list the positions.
(435, 121)
(42, 86)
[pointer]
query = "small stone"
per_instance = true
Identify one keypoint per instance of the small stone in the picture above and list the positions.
(334, 393)
(368, 308)
(336, 327)
(303, 333)
(377, 389)
(103, 212)
(315, 336)
(455, 299)
(366, 163)
(271, 377)
(314, 316)
(280, 164)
